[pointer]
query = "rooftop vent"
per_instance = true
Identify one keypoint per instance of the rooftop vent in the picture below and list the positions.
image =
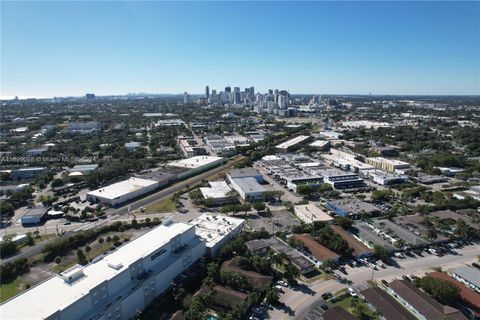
(117, 265)
(73, 274)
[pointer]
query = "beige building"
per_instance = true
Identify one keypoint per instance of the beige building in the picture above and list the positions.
(389, 165)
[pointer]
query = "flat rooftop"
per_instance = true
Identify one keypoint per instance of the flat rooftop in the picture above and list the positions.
(318, 250)
(212, 228)
(194, 162)
(249, 184)
(353, 206)
(218, 189)
(243, 173)
(292, 142)
(311, 213)
(55, 294)
(122, 188)
(470, 274)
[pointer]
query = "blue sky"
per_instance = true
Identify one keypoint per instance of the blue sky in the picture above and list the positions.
(70, 48)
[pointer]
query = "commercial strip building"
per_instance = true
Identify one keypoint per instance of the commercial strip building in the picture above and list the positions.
(396, 234)
(309, 213)
(470, 299)
(391, 309)
(359, 249)
(352, 208)
(262, 246)
(420, 303)
(195, 165)
(189, 147)
(414, 223)
(289, 175)
(389, 165)
(216, 230)
(220, 146)
(319, 251)
(292, 143)
(218, 193)
(365, 233)
(116, 286)
(83, 127)
(469, 276)
(121, 192)
(246, 182)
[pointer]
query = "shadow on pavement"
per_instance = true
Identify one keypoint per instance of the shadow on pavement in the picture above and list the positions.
(303, 288)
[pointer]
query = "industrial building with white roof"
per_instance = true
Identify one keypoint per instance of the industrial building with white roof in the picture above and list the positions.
(122, 191)
(218, 192)
(309, 213)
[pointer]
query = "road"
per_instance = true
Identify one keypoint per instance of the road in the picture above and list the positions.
(116, 214)
(288, 196)
(298, 301)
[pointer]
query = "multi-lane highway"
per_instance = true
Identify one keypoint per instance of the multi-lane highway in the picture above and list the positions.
(114, 214)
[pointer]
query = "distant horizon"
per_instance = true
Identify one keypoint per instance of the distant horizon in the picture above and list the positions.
(387, 48)
(202, 94)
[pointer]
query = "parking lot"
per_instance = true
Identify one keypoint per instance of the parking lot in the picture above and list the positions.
(281, 220)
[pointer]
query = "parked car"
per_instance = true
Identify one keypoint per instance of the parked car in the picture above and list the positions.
(352, 292)
(282, 283)
(327, 295)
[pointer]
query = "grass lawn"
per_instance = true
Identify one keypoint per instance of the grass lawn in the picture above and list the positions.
(355, 306)
(10, 289)
(165, 205)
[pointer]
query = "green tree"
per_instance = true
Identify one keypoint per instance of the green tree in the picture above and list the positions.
(272, 296)
(380, 252)
(343, 222)
(81, 259)
(441, 290)
(259, 206)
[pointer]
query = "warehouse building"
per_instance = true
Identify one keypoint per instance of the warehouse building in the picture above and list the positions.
(246, 182)
(218, 193)
(341, 180)
(292, 143)
(309, 213)
(34, 216)
(117, 286)
(121, 192)
(27, 173)
(216, 230)
(248, 188)
(352, 208)
(195, 165)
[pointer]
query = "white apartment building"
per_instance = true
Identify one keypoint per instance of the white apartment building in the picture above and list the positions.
(117, 286)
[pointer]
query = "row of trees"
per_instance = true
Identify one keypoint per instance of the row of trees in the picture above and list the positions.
(62, 246)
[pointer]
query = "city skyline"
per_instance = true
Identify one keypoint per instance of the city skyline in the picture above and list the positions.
(115, 48)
